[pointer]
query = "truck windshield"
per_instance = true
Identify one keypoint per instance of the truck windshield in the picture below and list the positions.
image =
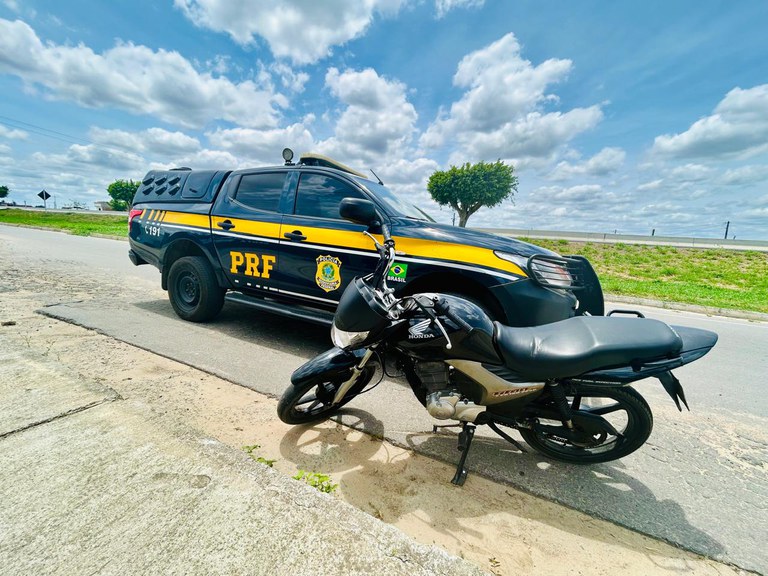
(394, 202)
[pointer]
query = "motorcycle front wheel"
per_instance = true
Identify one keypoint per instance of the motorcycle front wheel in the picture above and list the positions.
(312, 400)
(624, 408)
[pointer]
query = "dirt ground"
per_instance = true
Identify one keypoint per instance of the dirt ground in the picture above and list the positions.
(501, 529)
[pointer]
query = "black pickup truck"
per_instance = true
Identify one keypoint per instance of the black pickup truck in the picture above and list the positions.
(272, 237)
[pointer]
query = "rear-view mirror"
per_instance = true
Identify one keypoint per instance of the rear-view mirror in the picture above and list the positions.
(359, 211)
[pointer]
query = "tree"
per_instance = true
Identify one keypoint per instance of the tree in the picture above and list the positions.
(4, 191)
(122, 192)
(472, 186)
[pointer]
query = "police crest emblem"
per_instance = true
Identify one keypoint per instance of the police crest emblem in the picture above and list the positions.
(328, 275)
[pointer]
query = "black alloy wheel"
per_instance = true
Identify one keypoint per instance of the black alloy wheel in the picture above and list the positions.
(623, 408)
(312, 401)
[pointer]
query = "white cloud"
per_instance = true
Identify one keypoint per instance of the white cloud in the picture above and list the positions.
(154, 140)
(745, 175)
(690, 173)
(302, 30)
(605, 162)
(378, 122)
(262, 146)
(134, 78)
(13, 133)
(202, 160)
(502, 112)
(738, 128)
(444, 6)
(289, 78)
(82, 158)
(652, 185)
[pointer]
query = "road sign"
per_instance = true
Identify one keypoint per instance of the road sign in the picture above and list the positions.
(44, 195)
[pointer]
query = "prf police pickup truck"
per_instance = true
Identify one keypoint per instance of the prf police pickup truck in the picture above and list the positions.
(272, 238)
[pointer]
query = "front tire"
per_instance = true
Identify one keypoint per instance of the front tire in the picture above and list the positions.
(193, 290)
(311, 401)
(624, 408)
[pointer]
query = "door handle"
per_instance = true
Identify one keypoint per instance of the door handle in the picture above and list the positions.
(295, 235)
(226, 224)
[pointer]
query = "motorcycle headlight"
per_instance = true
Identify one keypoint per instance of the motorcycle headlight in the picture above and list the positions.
(344, 339)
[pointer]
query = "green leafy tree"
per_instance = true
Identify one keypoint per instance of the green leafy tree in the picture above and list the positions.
(472, 186)
(122, 192)
(4, 191)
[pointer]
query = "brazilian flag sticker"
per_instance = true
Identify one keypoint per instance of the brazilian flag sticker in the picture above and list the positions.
(397, 272)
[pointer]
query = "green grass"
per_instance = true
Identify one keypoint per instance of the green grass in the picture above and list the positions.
(80, 224)
(720, 278)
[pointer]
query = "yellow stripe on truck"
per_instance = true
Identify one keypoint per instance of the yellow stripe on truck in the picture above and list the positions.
(414, 247)
(349, 239)
(185, 219)
(263, 229)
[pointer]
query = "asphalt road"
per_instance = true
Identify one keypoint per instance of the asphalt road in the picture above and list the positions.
(700, 482)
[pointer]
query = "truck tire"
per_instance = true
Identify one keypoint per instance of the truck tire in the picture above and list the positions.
(193, 290)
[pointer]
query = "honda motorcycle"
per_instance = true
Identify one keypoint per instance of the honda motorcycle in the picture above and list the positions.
(563, 386)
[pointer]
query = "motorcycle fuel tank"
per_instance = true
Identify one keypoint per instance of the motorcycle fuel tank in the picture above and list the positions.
(423, 338)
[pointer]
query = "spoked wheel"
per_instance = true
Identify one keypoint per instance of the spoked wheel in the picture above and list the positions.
(312, 401)
(625, 411)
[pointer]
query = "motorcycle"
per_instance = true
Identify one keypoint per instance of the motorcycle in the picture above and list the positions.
(564, 386)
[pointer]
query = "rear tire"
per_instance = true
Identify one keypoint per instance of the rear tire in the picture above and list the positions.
(193, 290)
(625, 409)
(312, 400)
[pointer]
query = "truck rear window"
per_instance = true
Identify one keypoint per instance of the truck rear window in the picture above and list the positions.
(261, 191)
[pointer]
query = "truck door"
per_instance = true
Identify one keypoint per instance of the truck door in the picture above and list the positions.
(245, 223)
(320, 252)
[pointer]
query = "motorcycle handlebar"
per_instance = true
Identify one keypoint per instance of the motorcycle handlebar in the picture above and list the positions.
(445, 309)
(385, 233)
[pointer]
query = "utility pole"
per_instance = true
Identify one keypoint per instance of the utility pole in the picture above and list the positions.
(727, 225)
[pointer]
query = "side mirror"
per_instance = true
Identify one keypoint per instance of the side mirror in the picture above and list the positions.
(359, 211)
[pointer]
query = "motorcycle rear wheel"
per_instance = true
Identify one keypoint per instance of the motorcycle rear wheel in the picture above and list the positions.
(624, 408)
(312, 400)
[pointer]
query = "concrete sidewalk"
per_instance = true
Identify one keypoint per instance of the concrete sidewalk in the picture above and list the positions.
(91, 483)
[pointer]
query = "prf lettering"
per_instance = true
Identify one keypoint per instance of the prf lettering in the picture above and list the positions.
(252, 262)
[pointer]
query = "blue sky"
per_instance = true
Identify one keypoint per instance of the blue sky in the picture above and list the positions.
(618, 116)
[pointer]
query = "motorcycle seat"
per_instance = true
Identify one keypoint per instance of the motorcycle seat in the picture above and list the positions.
(584, 343)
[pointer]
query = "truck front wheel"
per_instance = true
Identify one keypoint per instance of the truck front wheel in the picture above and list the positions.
(193, 290)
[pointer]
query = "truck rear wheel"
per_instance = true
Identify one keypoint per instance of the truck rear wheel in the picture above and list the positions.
(193, 290)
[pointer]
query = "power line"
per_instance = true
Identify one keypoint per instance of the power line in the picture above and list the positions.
(61, 136)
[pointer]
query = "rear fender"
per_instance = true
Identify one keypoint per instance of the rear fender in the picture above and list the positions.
(331, 363)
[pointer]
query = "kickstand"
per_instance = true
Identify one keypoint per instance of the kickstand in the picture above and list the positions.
(507, 437)
(465, 441)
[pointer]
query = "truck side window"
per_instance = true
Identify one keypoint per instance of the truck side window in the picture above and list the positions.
(261, 191)
(320, 196)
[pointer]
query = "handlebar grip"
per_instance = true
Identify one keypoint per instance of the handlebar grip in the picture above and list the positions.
(385, 232)
(457, 319)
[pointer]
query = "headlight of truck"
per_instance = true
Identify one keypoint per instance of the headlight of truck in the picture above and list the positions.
(551, 273)
(344, 339)
(545, 270)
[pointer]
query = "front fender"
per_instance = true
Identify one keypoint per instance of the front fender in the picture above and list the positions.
(328, 364)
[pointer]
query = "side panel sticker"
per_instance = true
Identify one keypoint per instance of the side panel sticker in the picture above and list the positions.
(397, 272)
(328, 275)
